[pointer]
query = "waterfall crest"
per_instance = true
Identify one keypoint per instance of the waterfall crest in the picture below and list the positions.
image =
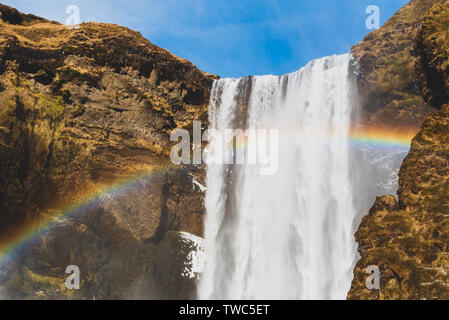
(288, 235)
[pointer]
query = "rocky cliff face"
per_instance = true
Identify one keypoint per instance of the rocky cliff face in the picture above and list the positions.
(85, 119)
(387, 79)
(407, 236)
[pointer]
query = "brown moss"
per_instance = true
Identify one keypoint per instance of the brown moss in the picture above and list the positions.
(80, 115)
(386, 65)
(433, 56)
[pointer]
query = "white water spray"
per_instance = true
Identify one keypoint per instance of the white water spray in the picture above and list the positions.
(288, 235)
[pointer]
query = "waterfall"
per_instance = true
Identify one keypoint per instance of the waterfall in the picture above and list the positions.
(288, 235)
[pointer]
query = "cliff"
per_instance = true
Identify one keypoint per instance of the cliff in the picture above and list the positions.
(390, 96)
(407, 236)
(85, 119)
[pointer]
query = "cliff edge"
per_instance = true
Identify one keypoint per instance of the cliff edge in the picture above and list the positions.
(407, 236)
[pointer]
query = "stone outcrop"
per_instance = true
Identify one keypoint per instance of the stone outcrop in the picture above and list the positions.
(85, 119)
(387, 80)
(432, 62)
(407, 236)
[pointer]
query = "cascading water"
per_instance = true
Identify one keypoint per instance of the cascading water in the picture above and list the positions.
(288, 235)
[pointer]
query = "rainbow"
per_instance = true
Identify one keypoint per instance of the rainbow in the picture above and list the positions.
(374, 137)
(382, 138)
(120, 186)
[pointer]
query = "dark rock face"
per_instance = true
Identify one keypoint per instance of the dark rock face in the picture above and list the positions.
(183, 253)
(86, 115)
(432, 52)
(385, 62)
(407, 237)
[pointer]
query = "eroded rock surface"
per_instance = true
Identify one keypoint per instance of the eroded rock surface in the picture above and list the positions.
(85, 119)
(387, 80)
(407, 236)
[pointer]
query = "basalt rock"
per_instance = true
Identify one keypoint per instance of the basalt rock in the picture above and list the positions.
(390, 96)
(432, 50)
(407, 236)
(85, 119)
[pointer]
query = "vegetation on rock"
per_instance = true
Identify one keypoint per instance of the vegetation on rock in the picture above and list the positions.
(407, 237)
(385, 63)
(83, 111)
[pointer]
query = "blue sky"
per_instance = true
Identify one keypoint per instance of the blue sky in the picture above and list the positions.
(233, 38)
